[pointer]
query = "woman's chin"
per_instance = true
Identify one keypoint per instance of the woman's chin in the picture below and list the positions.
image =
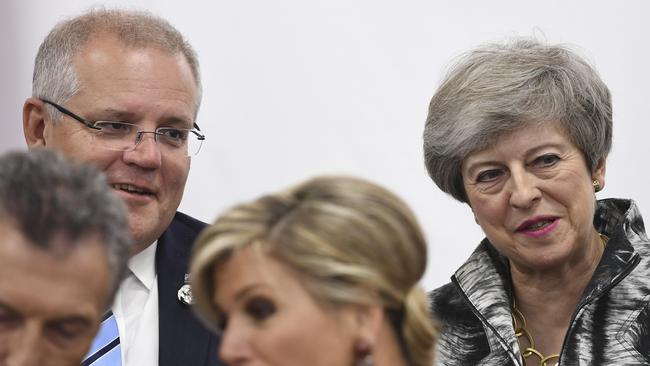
(547, 260)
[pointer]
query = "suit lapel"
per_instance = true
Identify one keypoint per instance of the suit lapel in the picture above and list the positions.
(183, 340)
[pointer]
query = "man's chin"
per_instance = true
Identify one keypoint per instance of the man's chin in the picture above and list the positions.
(144, 231)
(146, 225)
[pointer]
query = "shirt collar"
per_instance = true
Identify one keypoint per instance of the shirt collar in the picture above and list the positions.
(143, 265)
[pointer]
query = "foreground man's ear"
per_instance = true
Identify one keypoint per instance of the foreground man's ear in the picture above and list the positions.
(34, 122)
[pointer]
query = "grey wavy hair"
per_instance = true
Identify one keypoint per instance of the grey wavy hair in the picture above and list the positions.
(497, 89)
(349, 240)
(45, 196)
(55, 77)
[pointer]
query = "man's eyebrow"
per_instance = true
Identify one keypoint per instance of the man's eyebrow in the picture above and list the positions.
(76, 320)
(113, 114)
(126, 116)
(177, 122)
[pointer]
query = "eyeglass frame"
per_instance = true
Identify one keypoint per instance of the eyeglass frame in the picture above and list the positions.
(195, 127)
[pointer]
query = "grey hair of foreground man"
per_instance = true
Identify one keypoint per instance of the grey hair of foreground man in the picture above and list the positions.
(499, 88)
(46, 196)
(55, 77)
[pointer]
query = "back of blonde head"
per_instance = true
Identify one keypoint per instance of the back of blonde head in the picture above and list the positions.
(353, 242)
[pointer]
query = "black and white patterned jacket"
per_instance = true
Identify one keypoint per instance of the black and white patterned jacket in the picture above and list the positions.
(611, 325)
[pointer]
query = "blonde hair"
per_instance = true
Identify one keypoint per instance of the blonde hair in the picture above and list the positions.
(350, 240)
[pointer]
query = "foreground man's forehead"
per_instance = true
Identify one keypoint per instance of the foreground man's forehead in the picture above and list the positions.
(67, 279)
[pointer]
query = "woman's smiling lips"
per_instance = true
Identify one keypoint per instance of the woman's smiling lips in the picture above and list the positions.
(538, 226)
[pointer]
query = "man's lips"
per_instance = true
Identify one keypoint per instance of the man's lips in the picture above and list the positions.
(536, 223)
(133, 189)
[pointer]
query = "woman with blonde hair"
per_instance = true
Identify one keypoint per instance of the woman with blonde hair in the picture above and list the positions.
(324, 273)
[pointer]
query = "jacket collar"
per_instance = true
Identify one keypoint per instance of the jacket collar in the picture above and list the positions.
(485, 281)
(621, 221)
(484, 278)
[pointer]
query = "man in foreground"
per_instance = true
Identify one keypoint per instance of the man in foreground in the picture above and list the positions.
(63, 252)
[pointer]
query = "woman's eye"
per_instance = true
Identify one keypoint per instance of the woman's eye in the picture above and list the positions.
(222, 322)
(488, 176)
(546, 160)
(260, 308)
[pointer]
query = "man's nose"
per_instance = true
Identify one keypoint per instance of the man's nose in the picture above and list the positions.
(24, 348)
(146, 153)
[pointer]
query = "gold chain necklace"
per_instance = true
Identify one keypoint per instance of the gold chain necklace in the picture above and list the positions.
(603, 239)
(521, 330)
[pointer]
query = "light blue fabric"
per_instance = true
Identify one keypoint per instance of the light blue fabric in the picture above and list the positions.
(112, 358)
(107, 343)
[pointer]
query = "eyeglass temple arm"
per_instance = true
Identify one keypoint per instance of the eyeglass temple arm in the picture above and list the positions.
(200, 135)
(69, 113)
(63, 110)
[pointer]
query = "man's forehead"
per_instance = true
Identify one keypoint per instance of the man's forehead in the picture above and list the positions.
(105, 40)
(116, 79)
(79, 270)
(55, 244)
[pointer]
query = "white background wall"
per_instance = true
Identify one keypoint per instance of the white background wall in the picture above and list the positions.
(294, 88)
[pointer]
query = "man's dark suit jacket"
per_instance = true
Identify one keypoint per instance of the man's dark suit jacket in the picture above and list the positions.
(183, 340)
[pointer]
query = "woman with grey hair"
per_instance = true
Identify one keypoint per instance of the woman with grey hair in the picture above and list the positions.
(521, 133)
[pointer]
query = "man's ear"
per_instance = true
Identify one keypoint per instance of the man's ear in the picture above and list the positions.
(34, 114)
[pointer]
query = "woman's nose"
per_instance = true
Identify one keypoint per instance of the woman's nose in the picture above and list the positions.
(524, 189)
(234, 348)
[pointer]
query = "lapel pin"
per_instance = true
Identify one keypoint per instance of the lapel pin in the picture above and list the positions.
(185, 292)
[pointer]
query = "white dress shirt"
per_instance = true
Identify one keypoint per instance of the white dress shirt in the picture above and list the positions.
(136, 310)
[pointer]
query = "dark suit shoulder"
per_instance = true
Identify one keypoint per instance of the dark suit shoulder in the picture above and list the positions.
(188, 222)
(175, 245)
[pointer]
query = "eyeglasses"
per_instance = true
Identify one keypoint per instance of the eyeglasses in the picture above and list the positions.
(122, 136)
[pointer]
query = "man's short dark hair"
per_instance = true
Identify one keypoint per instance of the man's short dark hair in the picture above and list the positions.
(45, 197)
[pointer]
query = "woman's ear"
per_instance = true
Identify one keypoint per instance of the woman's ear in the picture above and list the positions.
(369, 320)
(34, 122)
(599, 172)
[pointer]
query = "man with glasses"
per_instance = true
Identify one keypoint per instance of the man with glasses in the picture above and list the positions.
(121, 89)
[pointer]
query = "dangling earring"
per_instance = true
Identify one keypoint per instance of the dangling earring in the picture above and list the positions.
(596, 185)
(364, 354)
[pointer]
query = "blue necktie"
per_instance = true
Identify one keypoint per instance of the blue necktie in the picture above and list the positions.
(105, 350)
